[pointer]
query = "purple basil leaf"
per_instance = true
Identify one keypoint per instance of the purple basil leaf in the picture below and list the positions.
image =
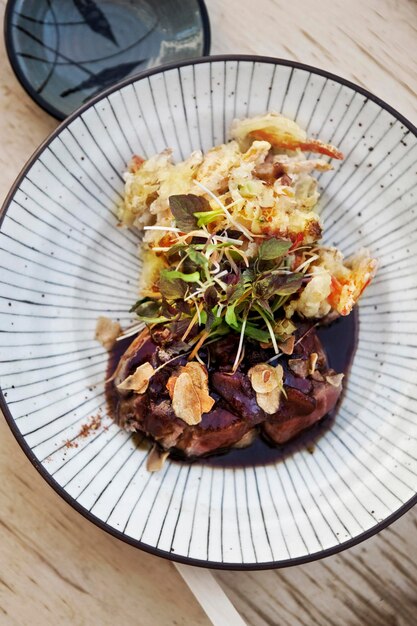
(184, 206)
(273, 249)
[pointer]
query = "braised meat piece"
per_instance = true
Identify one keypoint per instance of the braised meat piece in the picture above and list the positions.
(218, 430)
(236, 390)
(299, 411)
(229, 408)
(308, 395)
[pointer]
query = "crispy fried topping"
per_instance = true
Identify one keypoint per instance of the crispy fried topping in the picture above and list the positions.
(266, 381)
(139, 380)
(287, 346)
(312, 362)
(107, 332)
(156, 459)
(335, 380)
(299, 367)
(185, 400)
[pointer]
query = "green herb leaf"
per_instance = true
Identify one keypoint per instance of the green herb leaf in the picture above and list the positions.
(248, 276)
(149, 312)
(206, 217)
(273, 249)
(278, 284)
(188, 278)
(234, 292)
(210, 320)
(220, 327)
(183, 207)
(231, 318)
(172, 288)
(264, 287)
(256, 333)
(173, 284)
(137, 304)
(263, 305)
(292, 284)
(196, 257)
(177, 247)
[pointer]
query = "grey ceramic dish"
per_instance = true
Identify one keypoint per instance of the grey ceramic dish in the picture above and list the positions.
(65, 52)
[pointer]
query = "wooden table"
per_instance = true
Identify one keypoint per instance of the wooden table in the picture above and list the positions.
(56, 567)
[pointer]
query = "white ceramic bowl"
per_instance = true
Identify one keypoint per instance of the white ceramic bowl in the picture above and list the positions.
(64, 263)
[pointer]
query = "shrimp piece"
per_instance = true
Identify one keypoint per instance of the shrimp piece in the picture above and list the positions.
(136, 163)
(307, 166)
(309, 145)
(347, 286)
(281, 133)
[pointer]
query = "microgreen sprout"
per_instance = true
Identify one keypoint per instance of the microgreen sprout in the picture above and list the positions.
(218, 279)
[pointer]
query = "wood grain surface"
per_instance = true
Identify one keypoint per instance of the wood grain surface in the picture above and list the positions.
(57, 568)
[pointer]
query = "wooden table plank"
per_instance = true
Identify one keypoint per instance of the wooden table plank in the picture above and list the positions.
(372, 43)
(374, 583)
(57, 568)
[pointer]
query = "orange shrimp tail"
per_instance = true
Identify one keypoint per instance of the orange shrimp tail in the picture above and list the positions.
(310, 145)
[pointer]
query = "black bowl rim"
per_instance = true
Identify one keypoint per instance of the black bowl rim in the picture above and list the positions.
(12, 424)
(40, 100)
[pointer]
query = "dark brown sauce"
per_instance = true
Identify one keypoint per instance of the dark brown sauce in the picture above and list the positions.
(339, 340)
(115, 355)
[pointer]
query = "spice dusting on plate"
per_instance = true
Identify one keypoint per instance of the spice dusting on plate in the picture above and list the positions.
(70, 444)
(93, 424)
